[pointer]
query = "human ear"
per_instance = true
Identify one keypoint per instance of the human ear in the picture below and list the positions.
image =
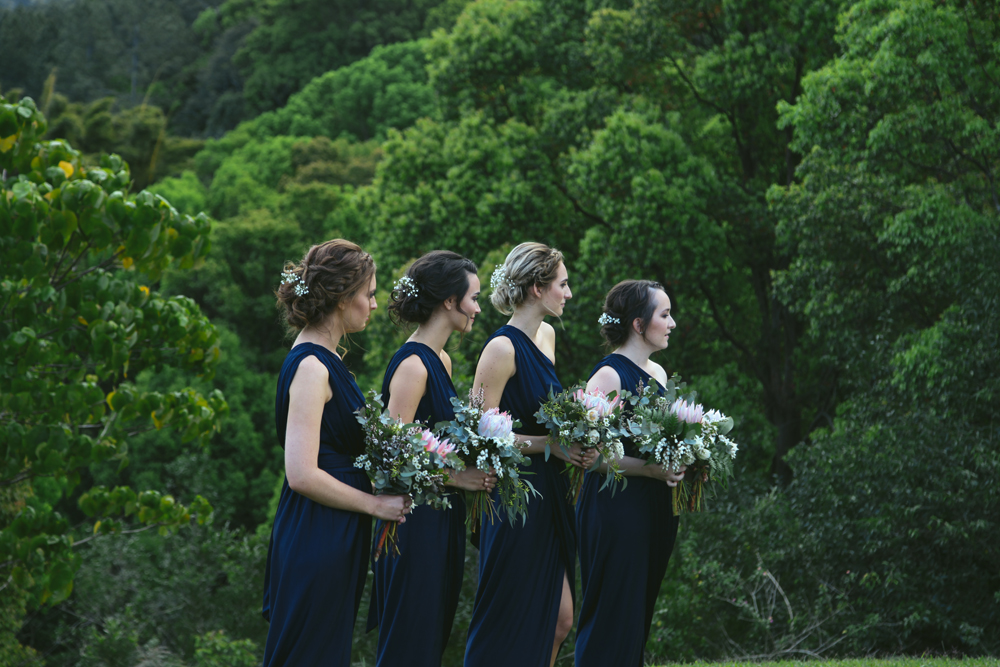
(637, 326)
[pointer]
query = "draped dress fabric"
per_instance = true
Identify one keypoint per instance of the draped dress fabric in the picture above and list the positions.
(521, 566)
(318, 556)
(416, 591)
(625, 542)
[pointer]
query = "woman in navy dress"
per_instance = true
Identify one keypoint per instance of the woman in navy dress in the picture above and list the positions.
(524, 605)
(625, 539)
(318, 555)
(415, 593)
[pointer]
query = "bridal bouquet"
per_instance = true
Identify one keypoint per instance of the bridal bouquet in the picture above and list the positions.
(676, 432)
(591, 419)
(403, 459)
(485, 439)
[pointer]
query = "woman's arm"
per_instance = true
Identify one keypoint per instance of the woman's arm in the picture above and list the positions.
(407, 387)
(308, 393)
(496, 367)
(607, 380)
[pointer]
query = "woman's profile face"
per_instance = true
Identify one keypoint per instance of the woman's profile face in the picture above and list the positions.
(555, 295)
(359, 308)
(658, 330)
(469, 305)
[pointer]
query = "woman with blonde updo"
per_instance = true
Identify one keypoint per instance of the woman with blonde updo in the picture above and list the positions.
(625, 539)
(318, 554)
(415, 591)
(524, 604)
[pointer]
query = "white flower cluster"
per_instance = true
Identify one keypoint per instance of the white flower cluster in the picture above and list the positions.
(363, 462)
(407, 286)
(607, 319)
(300, 285)
(499, 277)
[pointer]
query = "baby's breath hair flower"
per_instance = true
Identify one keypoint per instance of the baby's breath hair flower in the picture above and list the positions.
(407, 287)
(607, 319)
(499, 277)
(300, 288)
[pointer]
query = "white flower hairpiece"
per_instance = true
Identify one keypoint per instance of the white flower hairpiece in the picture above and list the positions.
(499, 277)
(407, 286)
(301, 288)
(607, 319)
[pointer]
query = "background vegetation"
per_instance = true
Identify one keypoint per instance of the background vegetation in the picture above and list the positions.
(815, 182)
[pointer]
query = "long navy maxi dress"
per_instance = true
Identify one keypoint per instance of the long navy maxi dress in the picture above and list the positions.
(625, 542)
(415, 593)
(521, 567)
(318, 555)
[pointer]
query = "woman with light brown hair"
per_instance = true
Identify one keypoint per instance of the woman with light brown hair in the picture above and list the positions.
(524, 604)
(318, 555)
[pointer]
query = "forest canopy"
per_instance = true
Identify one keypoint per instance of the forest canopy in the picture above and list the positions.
(815, 183)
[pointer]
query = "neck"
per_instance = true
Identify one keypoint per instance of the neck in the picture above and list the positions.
(327, 334)
(527, 318)
(433, 333)
(635, 350)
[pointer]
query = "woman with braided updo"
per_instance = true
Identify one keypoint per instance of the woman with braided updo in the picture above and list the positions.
(318, 554)
(415, 592)
(625, 539)
(524, 604)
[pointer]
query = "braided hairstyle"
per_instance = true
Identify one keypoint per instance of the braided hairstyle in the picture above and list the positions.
(527, 265)
(428, 283)
(330, 273)
(627, 301)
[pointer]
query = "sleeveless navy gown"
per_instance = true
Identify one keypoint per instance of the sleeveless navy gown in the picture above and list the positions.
(318, 555)
(521, 567)
(625, 543)
(415, 593)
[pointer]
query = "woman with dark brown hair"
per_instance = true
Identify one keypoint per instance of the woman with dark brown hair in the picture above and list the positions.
(318, 555)
(625, 538)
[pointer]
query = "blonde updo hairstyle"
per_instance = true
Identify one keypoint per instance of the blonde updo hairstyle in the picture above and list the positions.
(526, 266)
(333, 272)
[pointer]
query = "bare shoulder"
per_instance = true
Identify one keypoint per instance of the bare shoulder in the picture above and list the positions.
(446, 361)
(497, 362)
(547, 333)
(657, 372)
(411, 369)
(312, 377)
(606, 379)
(498, 349)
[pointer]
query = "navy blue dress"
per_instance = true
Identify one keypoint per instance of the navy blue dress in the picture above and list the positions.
(521, 567)
(318, 556)
(415, 594)
(625, 542)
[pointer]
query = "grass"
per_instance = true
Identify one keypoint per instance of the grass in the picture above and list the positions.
(861, 662)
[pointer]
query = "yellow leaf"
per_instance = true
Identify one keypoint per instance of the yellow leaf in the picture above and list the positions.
(97, 527)
(156, 422)
(82, 321)
(126, 262)
(8, 143)
(49, 195)
(66, 167)
(144, 290)
(109, 400)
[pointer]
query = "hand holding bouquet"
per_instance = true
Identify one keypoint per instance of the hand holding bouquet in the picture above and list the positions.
(675, 432)
(590, 419)
(486, 440)
(403, 459)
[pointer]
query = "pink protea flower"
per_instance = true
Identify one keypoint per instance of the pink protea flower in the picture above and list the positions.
(495, 424)
(689, 413)
(595, 399)
(432, 444)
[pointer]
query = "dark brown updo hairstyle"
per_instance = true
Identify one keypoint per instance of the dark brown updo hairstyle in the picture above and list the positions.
(527, 265)
(428, 283)
(329, 273)
(628, 300)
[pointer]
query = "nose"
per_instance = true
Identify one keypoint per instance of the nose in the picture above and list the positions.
(569, 293)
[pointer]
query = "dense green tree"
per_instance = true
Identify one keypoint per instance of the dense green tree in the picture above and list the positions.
(76, 319)
(296, 42)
